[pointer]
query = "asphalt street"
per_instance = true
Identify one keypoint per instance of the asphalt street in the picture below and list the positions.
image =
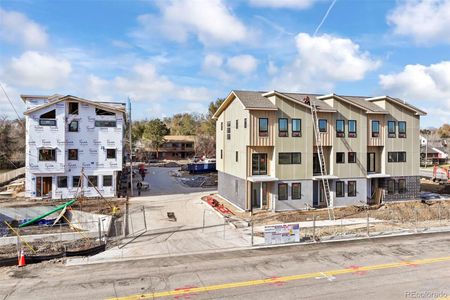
(409, 267)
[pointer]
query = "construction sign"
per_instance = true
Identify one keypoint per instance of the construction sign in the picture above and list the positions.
(281, 234)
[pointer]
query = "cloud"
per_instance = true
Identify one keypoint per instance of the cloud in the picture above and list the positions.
(244, 64)
(14, 96)
(211, 22)
(323, 60)
(294, 4)
(426, 21)
(429, 86)
(37, 71)
(16, 28)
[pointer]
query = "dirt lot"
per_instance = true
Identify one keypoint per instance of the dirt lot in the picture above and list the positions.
(430, 186)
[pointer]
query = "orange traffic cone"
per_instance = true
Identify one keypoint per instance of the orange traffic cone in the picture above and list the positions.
(21, 259)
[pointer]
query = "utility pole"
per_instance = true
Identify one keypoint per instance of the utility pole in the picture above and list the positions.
(131, 146)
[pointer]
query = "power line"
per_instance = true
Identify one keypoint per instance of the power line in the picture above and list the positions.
(9, 100)
(324, 17)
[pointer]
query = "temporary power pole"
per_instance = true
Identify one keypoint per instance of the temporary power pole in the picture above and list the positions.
(131, 146)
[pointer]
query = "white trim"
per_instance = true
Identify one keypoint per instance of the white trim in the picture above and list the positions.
(261, 178)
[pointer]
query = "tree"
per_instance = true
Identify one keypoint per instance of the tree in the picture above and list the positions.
(444, 131)
(206, 132)
(183, 124)
(154, 132)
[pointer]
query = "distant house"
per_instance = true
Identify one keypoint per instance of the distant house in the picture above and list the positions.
(435, 155)
(176, 147)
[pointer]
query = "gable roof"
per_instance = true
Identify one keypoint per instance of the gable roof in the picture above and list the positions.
(362, 102)
(321, 105)
(400, 102)
(114, 107)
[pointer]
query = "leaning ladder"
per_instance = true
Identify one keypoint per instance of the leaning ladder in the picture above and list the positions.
(321, 157)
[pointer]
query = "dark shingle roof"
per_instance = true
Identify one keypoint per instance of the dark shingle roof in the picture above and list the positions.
(321, 105)
(361, 101)
(254, 100)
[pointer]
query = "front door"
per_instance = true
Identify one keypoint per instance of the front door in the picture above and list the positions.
(46, 185)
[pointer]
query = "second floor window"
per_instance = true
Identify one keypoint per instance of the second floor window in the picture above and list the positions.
(102, 123)
(375, 128)
(221, 125)
(296, 127)
(294, 158)
(391, 129)
(73, 126)
(340, 128)
(73, 154)
(73, 108)
(47, 155)
(263, 127)
(402, 129)
(397, 156)
(48, 118)
(237, 124)
(259, 164)
(340, 157)
(352, 128)
(283, 127)
(352, 157)
(237, 156)
(110, 153)
(323, 125)
(229, 130)
(245, 122)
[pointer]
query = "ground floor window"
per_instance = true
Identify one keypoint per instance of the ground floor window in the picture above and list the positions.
(62, 181)
(339, 189)
(296, 191)
(391, 186)
(93, 181)
(282, 191)
(76, 181)
(107, 180)
(351, 188)
(402, 186)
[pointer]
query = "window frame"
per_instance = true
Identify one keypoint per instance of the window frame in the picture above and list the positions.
(108, 155)
(342, 194)
(237, 124)
(71, 111)
(290, 158)
(391, 133)
(52, 151)
(375, 133)
(58, 182)
(221, 126)
(296, 133)
(354, 193)
(353, 161)
(343, 157)
(353, 133)
(258, 156)
(402, 189)
(245, 122)
(299, 196)
(389, 181)
(401, 134)
(284, 185)
(105, 123)
(263, 133)
(70, 128)
(77, 181)
(228, 130)
(68, 154)
(103, 180)
(237, 156)
(283, 133)
(340, 133)
(321, 121)
(90, 177)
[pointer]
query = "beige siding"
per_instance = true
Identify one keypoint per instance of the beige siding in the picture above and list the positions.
(378, 158)
(376, 141)
(255, 139)
(237, 143)
(346, 144)
(326, 137)
(270, 158)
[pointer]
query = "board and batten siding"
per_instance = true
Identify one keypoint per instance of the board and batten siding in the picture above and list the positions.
(325, 137)
(376, 141)
(255, 139)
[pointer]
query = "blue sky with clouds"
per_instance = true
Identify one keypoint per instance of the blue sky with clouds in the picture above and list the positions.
(178, 55)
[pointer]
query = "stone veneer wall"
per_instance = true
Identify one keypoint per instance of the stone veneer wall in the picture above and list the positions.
(412, 188)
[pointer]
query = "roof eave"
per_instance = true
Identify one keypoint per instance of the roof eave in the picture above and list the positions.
(223, 105)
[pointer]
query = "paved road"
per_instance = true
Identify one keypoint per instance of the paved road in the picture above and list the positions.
(374, 269)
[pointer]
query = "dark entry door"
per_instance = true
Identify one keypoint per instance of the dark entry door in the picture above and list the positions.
(371, 162)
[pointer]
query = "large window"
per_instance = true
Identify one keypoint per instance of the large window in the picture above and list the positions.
(282, 191)
(73, 126)
(375, 128)
(296, 127)
(61, 181)
(283, 127)
(402, 186)
(397, 156)
(259, 164)
(289, 158)
(107, 180)
(229, 130)
(340, 157)
(48, 118)
(340, 189)
(263, 127)
(110, 153)
(296, 191)
(340, 128)
(103, 123)
(391, 129)
(93, 181)
(351, 128)
(73, 108)
(352, 157)
(322, 125)
(47, 155)
(351, 185)
(73, 154)
(391, 186)
(402, 129)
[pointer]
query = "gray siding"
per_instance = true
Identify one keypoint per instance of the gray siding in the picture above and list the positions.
(361, 192)
(303, 203)
(227, 189)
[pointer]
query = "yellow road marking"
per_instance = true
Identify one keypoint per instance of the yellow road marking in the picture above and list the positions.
(182, 291)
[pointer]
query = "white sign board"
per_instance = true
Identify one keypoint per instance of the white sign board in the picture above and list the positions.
(281, 234)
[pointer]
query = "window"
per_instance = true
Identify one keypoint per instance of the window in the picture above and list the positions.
(73, 154)
(102, 112)
(340, 128)
(221, 125)
(221, 153)
(61, 181)
(391, 129)
(259, 164)
(229, 130)
(340, 189)
(352, 128)
(282, 191)
(296, 191)
(287, 158)
(397, 156)
(237, 156)
(73, 126)
(237, 124)
(47, 155)
(73, 108)
(76, 181)
(236, 187)
(245, 122)
(371, 162)
(296, 127)
(402, 129)
(375, 128)
(263, 127)
(351, 188)
(110, 153)
(283, 127)
(93, 181)
(100, 123)
(402, 186)
(340, 157)
(322, 125)
(391, 186)
(352, 157)
(48, 118)
(107, 180)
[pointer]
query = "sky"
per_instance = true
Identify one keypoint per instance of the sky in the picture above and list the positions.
(176, 56)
